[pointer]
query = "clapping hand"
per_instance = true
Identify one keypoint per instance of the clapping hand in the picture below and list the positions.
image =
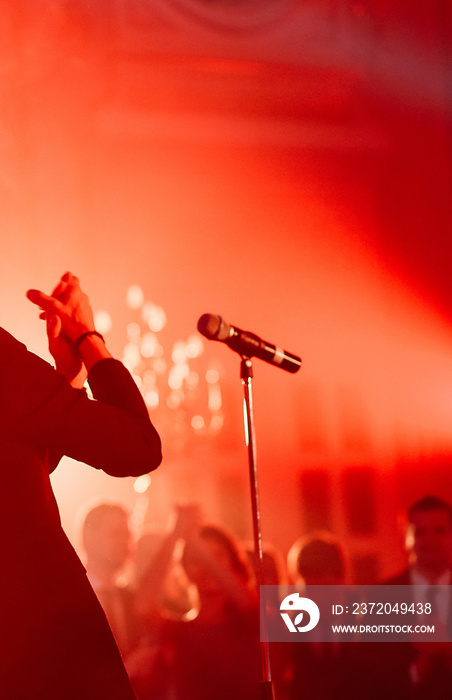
(68, 314)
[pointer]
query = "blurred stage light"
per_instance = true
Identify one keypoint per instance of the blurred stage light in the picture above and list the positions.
(171, 379)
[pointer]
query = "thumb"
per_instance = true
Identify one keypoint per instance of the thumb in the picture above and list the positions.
(53, 323)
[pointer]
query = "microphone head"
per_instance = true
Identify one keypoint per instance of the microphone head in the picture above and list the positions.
(213, 327)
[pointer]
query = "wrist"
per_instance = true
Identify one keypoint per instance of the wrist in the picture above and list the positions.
(91, 348)
(84, 336)
(78, 380)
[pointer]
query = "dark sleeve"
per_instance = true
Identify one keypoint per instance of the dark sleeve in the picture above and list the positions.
(39, 407)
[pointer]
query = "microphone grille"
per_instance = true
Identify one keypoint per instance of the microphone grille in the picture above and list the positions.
(209, 325)
(214, 327)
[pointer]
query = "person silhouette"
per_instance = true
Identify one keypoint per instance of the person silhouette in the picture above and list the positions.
(56, 642)
(107, 544)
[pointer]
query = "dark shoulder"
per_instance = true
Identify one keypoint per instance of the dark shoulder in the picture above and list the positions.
(8, 343)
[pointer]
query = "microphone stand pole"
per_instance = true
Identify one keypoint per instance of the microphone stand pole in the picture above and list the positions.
(246, 374)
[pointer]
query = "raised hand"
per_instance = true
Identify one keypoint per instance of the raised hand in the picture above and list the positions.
(68, 315)
(69, 303)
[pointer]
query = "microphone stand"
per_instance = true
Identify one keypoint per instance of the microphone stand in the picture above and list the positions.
(246, 374)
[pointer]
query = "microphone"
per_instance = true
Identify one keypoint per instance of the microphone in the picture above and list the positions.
(247, 344)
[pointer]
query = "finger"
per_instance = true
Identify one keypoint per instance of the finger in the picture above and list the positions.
(65, 287)
(64, 282)
(37, 297)
(43, 300)
(70, 278)
(59, 289)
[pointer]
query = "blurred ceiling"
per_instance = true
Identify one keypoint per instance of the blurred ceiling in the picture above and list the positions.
(367, 81)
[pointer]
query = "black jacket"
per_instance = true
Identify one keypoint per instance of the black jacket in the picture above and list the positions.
(55, 643)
